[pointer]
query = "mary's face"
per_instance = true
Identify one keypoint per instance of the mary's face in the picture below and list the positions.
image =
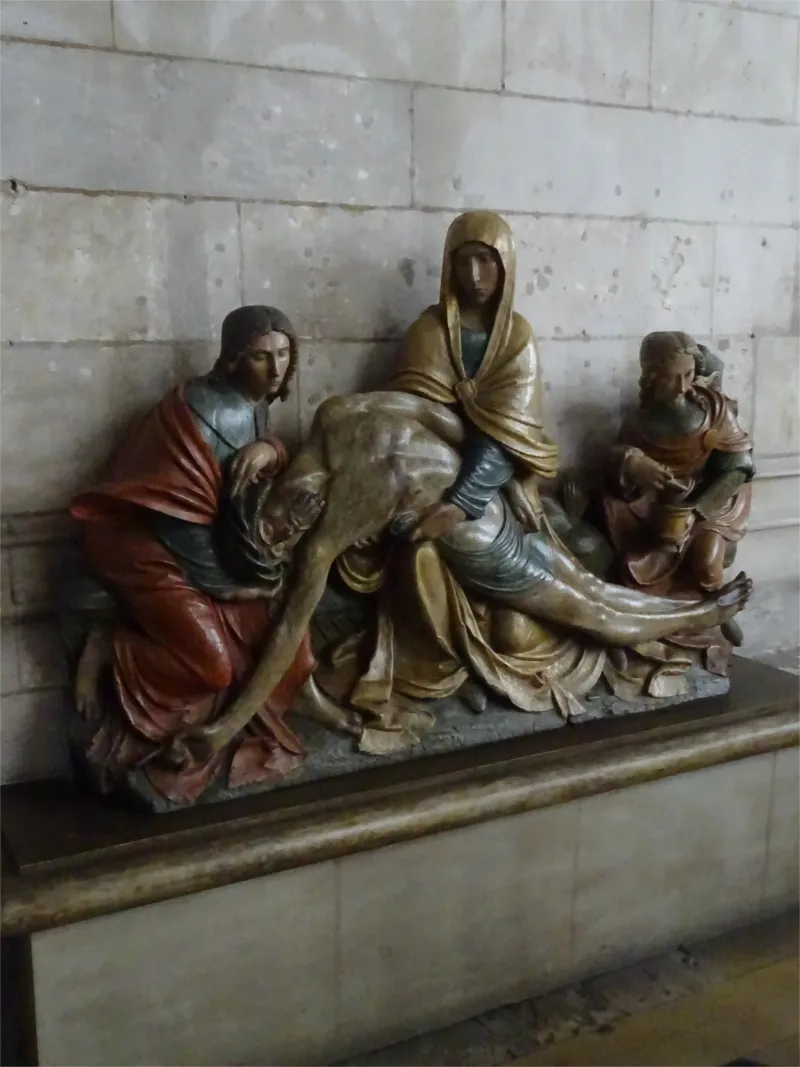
(477, 273)
(261, 370)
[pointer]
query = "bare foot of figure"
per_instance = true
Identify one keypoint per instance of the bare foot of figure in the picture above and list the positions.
(95, 656)
(733, 596)
(314, 704)
(731, 599)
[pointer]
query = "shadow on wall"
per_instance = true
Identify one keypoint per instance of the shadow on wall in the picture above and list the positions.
(599, 424)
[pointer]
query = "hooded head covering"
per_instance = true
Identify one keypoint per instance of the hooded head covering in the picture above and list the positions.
(489, 229)
(503, 398)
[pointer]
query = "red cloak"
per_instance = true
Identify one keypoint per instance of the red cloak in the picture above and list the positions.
(630, 522)
(180, 654)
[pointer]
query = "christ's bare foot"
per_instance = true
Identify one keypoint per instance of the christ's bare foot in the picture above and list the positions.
(733, 596)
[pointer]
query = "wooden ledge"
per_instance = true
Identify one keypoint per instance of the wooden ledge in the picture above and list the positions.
(70, 858)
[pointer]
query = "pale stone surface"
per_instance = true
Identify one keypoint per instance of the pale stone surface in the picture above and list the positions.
(785, 659)
(424, 933)
(116, 268)
(82, 398)
(70, 21)
(331, 369)
(572, 50)
(35, 571)
(511, 154)
(92, 394)
(668, 859)
(448, 42)
(347, 275)
(34, 736)
(738, 354)
(121, 122)
(776, 500)
(769, 556)
(241, 974)
(588, 385)
(41, 657)
(777, 413)
(723, 60)
(612, 278)
(771, 619)
(782, 886)
(9, 663)
(522, 1030)
(5, 584)
(755, 288)
(353, 275)
(469, 1044)
(438, 929)
(788, 8)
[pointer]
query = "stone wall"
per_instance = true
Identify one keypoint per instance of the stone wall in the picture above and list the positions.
(164, 161)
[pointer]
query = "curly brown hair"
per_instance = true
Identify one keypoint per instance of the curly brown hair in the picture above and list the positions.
(662, 345)
(242, 326)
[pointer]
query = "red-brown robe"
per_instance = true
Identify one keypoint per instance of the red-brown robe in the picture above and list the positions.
(630, 522)
(180, 653)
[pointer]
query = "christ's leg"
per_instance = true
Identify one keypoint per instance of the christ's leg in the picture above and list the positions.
(569, 605)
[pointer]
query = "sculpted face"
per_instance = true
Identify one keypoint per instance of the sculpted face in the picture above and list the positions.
(285, 517)
(477, 273)
(260, 371)
(664, 380)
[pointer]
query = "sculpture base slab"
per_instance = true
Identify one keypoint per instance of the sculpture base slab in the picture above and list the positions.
(457, 728)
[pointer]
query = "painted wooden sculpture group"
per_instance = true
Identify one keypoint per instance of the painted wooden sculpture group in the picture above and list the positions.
(437, 503)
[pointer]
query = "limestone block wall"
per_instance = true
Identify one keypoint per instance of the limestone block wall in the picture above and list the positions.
(165, 161)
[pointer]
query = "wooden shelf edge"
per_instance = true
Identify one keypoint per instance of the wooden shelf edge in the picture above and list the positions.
(212, 858)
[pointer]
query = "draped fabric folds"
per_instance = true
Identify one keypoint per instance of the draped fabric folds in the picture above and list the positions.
(178, 654)
(429, 634)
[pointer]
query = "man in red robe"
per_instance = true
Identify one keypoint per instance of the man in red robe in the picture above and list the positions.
(190, 623)
(678, 491)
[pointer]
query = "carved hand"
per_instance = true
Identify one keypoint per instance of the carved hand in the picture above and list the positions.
(645, 472)
(436, 520)
(250, 462)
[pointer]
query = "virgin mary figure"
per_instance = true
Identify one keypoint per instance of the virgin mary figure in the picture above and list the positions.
(484, 589)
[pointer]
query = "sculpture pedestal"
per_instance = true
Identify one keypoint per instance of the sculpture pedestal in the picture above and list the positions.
(312, 923)
(456, 729)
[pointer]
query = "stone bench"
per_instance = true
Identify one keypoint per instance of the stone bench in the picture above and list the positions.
(312, 923)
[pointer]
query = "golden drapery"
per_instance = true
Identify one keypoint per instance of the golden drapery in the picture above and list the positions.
(504, 398)
(429, 635)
